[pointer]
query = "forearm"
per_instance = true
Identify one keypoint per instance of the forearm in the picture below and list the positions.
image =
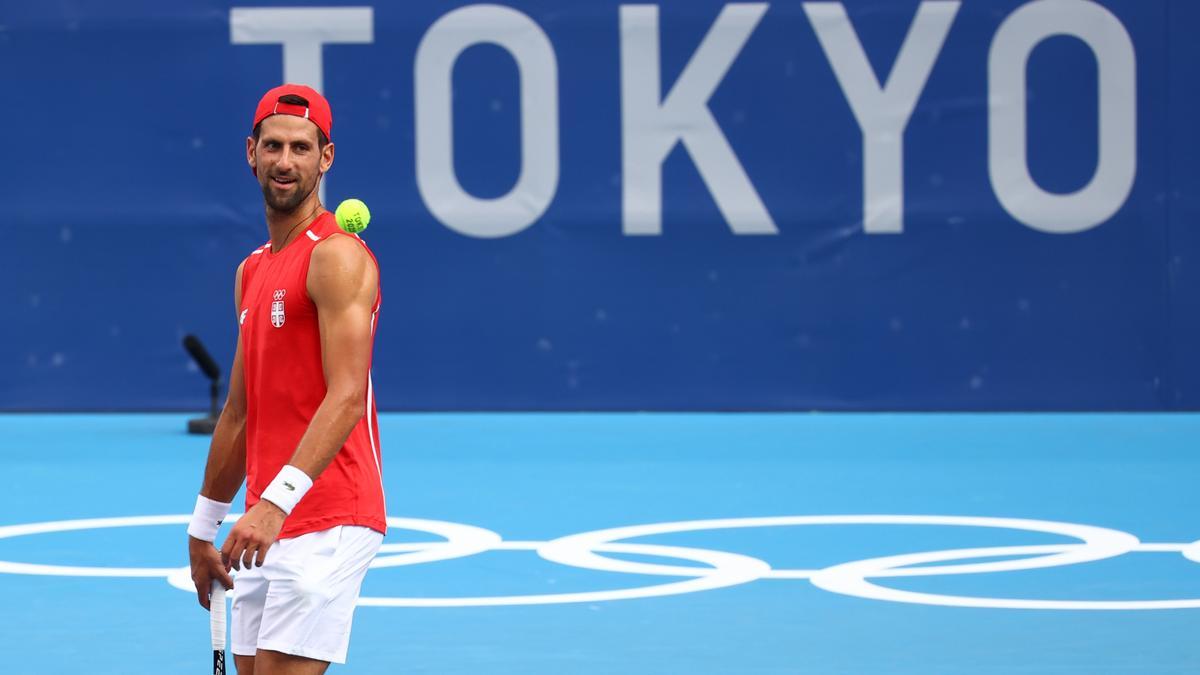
(226, 467)
(327, 432)
(256, 531)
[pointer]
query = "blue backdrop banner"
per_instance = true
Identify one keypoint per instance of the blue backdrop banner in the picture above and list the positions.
(868, 204)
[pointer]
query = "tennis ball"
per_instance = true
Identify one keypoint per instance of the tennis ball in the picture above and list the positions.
(352, 216)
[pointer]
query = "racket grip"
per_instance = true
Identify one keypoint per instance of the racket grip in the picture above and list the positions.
(217, 615)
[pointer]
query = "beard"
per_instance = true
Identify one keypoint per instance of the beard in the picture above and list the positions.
(288, 201)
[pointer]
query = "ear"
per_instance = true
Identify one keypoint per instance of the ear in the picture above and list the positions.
(250, 155)
(326, 158)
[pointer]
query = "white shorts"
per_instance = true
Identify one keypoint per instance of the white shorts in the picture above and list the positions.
(301, 601)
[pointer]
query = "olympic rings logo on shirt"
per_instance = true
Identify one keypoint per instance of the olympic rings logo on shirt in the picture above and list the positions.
(719, 569)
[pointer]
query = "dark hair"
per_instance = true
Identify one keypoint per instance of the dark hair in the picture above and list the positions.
(292, 99)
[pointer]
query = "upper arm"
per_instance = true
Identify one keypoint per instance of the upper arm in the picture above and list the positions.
(236, 400)
(237, 288)
(343, 282)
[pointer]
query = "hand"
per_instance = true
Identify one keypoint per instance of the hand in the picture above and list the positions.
(206, 566)
(252, 535)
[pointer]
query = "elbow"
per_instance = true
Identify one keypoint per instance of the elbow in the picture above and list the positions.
(233, 413)
(357, 410)
(352, 405)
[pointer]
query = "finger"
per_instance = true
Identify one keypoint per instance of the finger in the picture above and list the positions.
(235, 556)
(202, 593)
(247, 556)
(240, 555)
(226, 580)
(262, 556)
(227, 548)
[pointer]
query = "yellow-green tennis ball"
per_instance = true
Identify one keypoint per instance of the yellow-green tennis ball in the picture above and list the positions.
(352, 216)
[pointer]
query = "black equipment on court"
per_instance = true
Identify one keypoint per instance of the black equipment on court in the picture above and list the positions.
(204, 425)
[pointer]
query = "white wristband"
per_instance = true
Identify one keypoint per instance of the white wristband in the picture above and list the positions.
(207, 518)
(288, 488)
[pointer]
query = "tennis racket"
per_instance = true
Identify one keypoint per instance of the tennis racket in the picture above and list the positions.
(216, 602)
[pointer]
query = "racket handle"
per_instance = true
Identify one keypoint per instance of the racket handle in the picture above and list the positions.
(217, 615)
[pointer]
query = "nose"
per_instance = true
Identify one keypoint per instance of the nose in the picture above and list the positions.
(285, 160)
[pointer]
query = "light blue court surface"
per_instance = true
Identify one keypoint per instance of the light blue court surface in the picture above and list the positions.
(780, 585)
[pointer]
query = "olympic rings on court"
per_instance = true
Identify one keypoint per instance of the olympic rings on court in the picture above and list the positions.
(712, 569)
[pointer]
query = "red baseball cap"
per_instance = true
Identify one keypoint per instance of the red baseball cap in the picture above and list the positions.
(317, 111)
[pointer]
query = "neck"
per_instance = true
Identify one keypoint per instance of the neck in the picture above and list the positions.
(283, 225)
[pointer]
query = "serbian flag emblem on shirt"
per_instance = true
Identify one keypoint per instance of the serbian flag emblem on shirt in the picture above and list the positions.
(277, 309)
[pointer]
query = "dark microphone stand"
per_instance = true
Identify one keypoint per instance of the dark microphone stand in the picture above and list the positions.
(204, 425)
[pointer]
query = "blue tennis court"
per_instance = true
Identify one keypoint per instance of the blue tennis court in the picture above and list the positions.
(965, 232)
(1062, 542)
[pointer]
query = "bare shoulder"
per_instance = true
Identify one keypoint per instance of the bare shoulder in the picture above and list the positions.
(237, 284)
(340, 267)
(340, 256)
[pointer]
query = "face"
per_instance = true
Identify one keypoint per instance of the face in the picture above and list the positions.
(288, 160)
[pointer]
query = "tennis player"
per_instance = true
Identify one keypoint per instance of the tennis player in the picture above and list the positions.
(299, 424)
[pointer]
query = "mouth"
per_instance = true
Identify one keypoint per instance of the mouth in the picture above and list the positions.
(282, 182)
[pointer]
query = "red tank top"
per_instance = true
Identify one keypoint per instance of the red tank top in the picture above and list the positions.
(281, 359)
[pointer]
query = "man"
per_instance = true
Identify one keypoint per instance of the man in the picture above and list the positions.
(299, 424)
